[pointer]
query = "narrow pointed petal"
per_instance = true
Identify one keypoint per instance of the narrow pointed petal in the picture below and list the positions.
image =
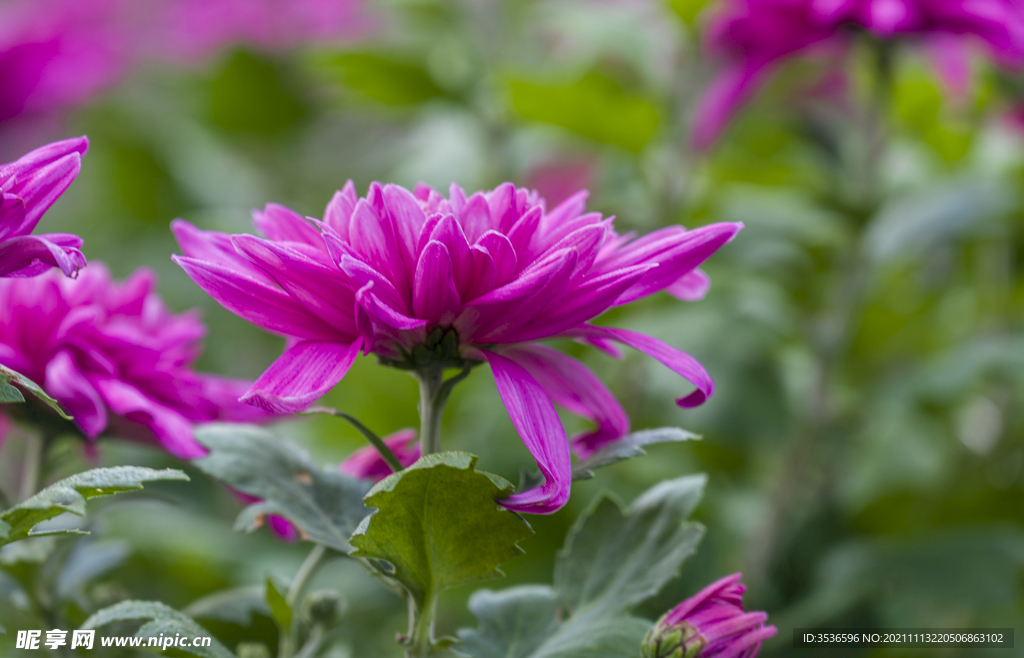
(339, 209)
(301, 375)
(535, 419)
(264, 305)
(675, 360)
(285, 225)
(573, 386)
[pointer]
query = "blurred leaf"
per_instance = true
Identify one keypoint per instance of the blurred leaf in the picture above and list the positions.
(438, 525)
(325, 505)
(88, 561)
(233, 605)
(688, 10)
(166, 621)
(595, 107)
(9, 393)
(35, 551)
(69, 495)
(279, 608)
(522, 622)
(613, 560)
(631, 445)
(917, 221)
(380, 76)
(255, 95)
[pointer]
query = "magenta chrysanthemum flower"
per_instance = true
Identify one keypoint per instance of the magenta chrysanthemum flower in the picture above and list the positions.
(115, 357)
(425, 282)
(29, 186)
(198, 27)
(711, 624)
(753, 36)
(55, 54)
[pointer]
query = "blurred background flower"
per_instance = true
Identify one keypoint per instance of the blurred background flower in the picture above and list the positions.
(865, 444)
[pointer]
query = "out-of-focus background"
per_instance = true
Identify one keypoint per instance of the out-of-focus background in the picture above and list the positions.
(865, 446)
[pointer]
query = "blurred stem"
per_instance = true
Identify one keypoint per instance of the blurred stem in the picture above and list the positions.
(31, 468)
(434, 392)
(289, 640)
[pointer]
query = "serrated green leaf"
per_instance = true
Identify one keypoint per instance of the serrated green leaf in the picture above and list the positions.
(31, 551)
(438, 525)
(162, 620)
(232, 605)
(279, 608)
(523, 622)
(613, 560)
(8, 377)
(69, 495)
(325, 505)
(629, 446)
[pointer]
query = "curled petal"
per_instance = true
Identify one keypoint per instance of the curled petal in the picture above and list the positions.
(573, 386)
(675, 360)
(31, 255)
(535, 419)
(434, 295)
(305, 372)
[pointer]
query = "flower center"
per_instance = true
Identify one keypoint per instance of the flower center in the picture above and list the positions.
(440, 349)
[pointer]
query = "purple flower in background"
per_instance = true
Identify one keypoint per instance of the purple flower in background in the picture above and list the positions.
(195, 28)
(29, 186)
(55, 54)
(423, 281)
(367, 464)
(753, 36)
(711, 624)
(115, 357)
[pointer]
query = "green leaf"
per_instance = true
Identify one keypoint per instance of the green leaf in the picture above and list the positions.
(631, 445)
(613, 560)
(522, 622)
(231, 605)
(438, 526)
(9, 393)
(325, 505)
(379, 76)
(69, 495)
(164, 620)
(279, 608)
(594, 106)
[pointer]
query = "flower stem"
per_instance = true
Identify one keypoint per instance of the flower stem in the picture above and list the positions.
(35, 446)
(421, 629)
(309, 567)
(373, 439)
(434, 392)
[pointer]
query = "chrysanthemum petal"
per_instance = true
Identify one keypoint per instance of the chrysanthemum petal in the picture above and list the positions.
(573, 386)
(434, 295)
(285, 225)
(535, 419)
(304, 373)
(66, 383)
(30, 255)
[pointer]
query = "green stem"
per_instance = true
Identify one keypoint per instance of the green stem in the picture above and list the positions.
(289, 639)
(434, 392)
(421, 630)
(32, 465)
(374, 440)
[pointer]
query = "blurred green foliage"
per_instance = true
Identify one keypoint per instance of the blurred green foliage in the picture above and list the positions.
(865, 446)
